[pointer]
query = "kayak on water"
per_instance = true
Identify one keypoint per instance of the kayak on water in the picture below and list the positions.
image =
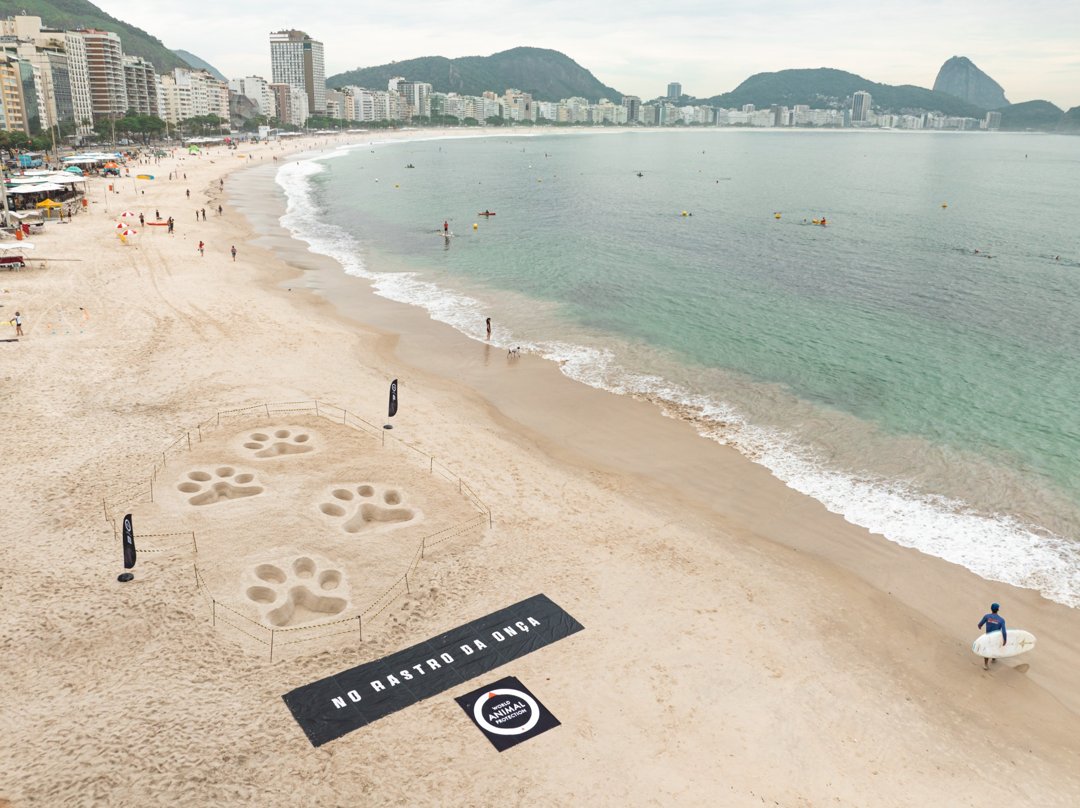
(486, 213)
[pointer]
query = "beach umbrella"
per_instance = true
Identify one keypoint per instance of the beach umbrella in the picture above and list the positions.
(126, 234)
(128, 214)
(74, 170)
(49, 203)
(22, 245)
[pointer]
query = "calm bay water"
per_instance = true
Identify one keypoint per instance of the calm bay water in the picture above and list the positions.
(879, 364)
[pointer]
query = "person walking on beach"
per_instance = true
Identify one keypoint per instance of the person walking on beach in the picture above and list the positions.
(233, 251)
(18, 325)
(171, 224)
(201, 248)
(203, 214)
(142, 220)
(219, 210)
(187, 190)
(488, 328)
(994, 622)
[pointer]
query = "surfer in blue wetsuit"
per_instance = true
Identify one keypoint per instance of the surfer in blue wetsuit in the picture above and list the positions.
(994, 622)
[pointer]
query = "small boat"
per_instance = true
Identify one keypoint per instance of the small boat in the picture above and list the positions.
(486, 213)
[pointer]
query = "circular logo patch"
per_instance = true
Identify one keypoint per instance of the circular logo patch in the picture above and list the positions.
(505, 711)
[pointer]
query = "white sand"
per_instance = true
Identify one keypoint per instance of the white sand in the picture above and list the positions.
(741, 646)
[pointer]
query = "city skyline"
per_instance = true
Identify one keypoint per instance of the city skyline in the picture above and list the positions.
(709, 48)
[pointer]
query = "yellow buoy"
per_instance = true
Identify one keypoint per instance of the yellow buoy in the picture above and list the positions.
(684, 213)
(396, 185)
(475, 225)
(776, 215)
(944, 204)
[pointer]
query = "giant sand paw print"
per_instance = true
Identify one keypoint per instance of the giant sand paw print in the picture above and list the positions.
(278, 442)
(291, 594)
(222, 483)
(367, 506)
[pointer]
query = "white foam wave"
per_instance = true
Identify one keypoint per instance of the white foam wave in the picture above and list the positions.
(995, 547)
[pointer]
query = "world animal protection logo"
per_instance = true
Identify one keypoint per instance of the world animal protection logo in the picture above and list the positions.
(507, 713)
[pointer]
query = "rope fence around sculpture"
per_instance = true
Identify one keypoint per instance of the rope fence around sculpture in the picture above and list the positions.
(144, 492)
(221, 612)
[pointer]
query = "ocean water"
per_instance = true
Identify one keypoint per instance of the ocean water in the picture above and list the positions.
(913, 365)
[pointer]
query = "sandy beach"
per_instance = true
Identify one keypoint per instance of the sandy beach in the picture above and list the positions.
(742, 646)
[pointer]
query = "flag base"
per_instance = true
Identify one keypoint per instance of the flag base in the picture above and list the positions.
(124, 577)
(388, 426)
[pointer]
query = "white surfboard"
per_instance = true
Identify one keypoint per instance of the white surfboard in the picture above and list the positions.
(989, 646)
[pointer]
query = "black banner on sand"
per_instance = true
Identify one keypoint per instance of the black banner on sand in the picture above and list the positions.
(507, 713)
(332, 707)
(392, 407)
(129, 543)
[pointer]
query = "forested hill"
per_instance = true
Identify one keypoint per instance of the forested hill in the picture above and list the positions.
(546, 74)
(821, 86)
(70, 14)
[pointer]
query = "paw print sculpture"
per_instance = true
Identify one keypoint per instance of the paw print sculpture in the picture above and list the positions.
(279, 442)
(298, 591)
(218, 485)
(367, 506)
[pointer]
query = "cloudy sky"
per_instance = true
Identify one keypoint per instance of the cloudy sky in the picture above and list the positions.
(1031, 48)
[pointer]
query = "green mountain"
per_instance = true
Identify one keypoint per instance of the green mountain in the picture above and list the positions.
(546, 74)
(1041, 115)
(199, 64)
(69, 14)
(1070, 122)
(824, 86)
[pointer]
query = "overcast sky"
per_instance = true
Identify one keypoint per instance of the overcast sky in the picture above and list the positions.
(1031, 48)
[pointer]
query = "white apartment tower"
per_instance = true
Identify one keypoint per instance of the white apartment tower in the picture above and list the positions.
(297, 60)
(258, 90)
(79, 74)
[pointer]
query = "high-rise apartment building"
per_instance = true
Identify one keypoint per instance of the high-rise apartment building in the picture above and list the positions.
(79, 76)
(258, 90)
(193, 93)
(297, 60)
(291, 103)
(141, 82)
(416, 96)
(633, 108)
(674, 91)
(105, 69)
(860, 107)
(19, 107)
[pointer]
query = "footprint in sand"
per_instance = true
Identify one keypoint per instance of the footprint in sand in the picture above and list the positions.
(278, 442)
(367, 506)
(296, 592)
(218, 485)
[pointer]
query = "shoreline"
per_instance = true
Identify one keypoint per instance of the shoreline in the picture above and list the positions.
(735, 631)
(582, 431)
(939, 512)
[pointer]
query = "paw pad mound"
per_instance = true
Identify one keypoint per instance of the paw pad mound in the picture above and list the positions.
(205, 487)
(300, 590)
(278, 442)
(367, 506)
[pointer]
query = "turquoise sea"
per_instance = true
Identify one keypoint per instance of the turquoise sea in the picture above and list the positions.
(879, 364)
